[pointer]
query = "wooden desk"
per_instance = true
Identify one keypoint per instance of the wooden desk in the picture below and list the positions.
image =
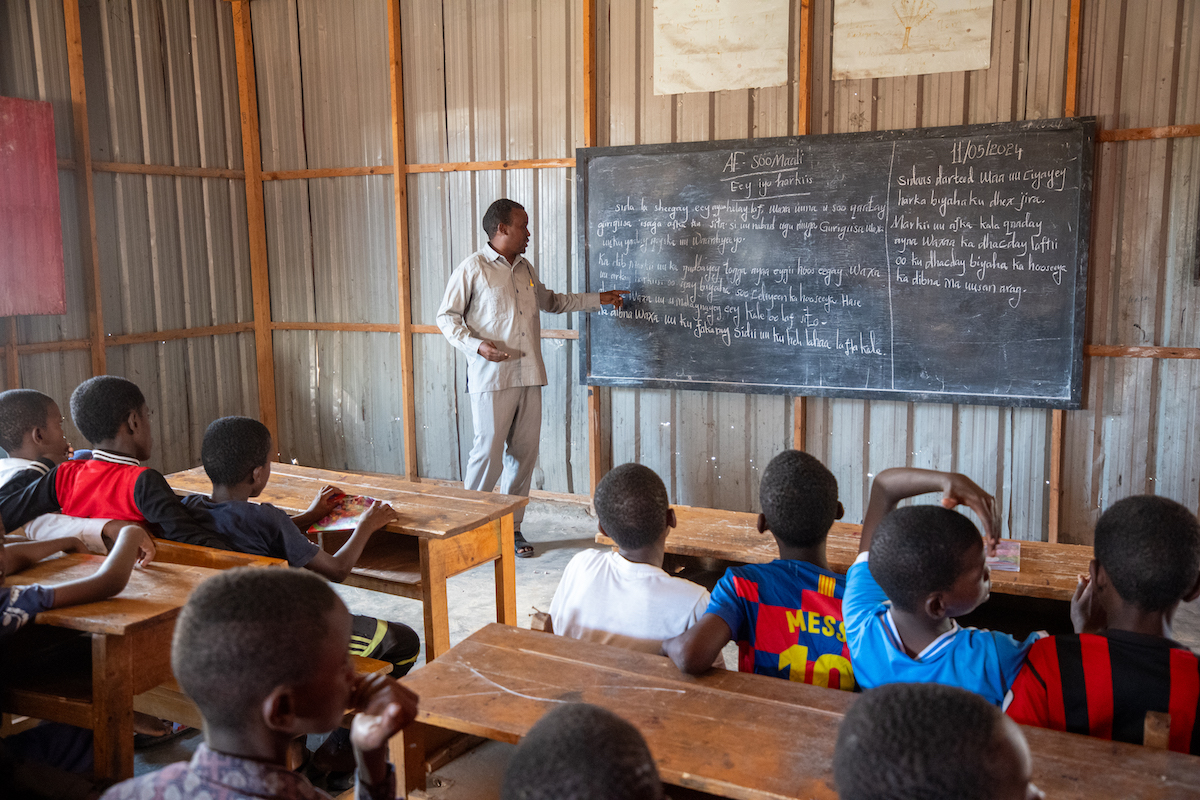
(731, 734)
(131, 652)
(449, 531)
(1047, 570)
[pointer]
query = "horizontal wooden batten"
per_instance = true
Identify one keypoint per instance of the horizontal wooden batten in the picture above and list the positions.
(119, 340)
(383, 327)
(168, 170)
(475, 166)
(1128, 351)
(1139, 134)
(53, 347)
(329, 172)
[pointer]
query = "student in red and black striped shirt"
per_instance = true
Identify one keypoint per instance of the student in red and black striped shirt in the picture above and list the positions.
(1122, 662)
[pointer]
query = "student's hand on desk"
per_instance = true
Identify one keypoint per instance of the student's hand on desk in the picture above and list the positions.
(383, 708)
(961, 490)
(133, 536)
(324, 502)
(378, 515)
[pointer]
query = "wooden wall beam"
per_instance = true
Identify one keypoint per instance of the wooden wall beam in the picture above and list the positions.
(803, 127)
(1141, 134)
(403, 271)
(598, 459)
(264, 347)
(12, 361)
(124, 339)
(85, 192)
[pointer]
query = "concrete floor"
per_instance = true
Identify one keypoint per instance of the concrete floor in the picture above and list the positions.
(558, 531)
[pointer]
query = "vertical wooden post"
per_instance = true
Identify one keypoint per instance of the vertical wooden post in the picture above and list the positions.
(255, 217)
(85, 194)
(803, 127)
(12, 365)
(1058, 416)
(403, 275)
(596, 455)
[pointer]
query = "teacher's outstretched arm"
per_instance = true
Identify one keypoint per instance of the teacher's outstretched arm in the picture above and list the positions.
(613, 298)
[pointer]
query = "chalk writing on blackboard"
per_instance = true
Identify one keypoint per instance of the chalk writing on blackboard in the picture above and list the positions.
(942, 264)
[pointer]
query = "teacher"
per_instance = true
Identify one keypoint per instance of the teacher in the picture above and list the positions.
(491, 312)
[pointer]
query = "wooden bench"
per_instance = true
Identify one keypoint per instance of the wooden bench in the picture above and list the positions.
(446, 531)
(168, 552)
(1048, 571)
(727, 733)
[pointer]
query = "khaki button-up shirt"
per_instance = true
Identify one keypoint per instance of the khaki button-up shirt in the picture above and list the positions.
(489, 299)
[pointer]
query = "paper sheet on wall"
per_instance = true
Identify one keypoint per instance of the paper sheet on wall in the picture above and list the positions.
(712, 46)
(878, 38)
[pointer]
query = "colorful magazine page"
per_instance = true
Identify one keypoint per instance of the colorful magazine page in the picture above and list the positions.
(345, 515)
(1007, 558)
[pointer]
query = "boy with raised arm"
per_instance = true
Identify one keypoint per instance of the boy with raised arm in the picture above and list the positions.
(786, 616)
(918, 568)
(1121, 663)
(264, 654)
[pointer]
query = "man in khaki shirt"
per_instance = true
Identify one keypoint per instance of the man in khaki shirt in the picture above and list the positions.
(491, 313)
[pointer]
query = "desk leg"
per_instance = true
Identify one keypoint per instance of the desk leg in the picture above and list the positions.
(434, 555)
(112, 706)
(407, 752)
(506, 575)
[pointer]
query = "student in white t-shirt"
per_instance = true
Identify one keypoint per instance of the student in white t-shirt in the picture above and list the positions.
(626, 598)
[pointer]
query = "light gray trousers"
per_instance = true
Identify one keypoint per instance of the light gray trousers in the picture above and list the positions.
(508, 429)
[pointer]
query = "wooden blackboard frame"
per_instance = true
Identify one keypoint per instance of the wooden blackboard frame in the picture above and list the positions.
(1083, 128)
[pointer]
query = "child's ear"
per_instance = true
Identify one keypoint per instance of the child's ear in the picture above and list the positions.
(1194, 592)
(841, 512)
(279, 709)
(257, 473)
(935, 606)
(671, 521)
(762, 523)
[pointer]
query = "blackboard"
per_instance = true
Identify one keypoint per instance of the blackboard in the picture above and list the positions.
(937, 264)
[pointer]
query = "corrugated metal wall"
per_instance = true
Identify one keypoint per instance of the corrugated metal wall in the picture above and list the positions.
(162, 89)
(33, 65)
(491, 82)
(1141, 68)
(324, 101)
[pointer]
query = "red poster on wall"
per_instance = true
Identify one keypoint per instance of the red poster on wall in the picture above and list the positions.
(31, 251)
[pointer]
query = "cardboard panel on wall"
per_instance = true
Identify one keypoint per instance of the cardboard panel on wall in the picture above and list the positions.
(31, 258)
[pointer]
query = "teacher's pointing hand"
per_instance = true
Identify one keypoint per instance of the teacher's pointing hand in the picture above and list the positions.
(613, 298)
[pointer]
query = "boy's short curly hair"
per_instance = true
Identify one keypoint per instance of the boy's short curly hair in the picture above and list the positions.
(631, 504)
(1150, 548)
(246, 631)
(918, 550)
(100, 405)
(232, 448)
(917, 740)
(499, 212)
(582, 752)
(21, 410)
(799, 498)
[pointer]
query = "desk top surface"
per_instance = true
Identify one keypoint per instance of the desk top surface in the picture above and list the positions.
(728, 733)
(1047, 570)
(426, 509)
(154, 592)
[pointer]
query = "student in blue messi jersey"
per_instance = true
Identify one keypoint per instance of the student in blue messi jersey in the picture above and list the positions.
(927, 565)
(786, 616)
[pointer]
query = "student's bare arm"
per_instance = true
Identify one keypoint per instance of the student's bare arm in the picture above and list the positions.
(384, 708)
(695, 650)
(337, 567)
(134, 546)
(23, 555)
(893, 485)
(321, 505)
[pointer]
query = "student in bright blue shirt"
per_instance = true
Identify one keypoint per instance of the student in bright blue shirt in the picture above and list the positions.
(926, 566)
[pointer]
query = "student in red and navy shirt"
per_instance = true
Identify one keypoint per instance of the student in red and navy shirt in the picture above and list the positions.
(111, 412)
(1122, 663)
(786, 616)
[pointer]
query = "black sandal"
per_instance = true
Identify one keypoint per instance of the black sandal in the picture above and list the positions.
(523, 547)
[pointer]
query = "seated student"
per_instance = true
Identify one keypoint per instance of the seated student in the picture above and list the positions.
(926, 566)
(786, 616)
(236, 453)
(626, 598)
(111, 412)
(1121, 662)
(582, 752)
(31, 429)
(19, 606)
(264, 654)
(922, 740)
